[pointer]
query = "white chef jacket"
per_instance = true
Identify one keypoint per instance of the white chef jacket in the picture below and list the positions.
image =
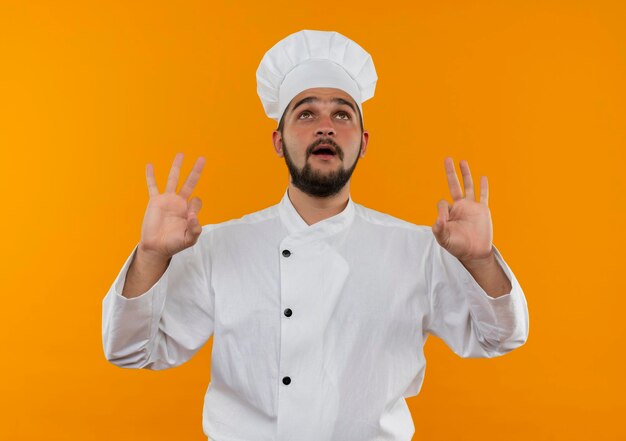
(318, 330)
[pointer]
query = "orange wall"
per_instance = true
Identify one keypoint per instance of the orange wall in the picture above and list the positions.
(531, 93)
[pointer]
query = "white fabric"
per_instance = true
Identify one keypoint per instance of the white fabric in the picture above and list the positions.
(365, 290)
(316, 73)
(308, 59)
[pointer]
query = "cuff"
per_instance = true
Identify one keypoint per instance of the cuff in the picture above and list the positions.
(129, 323)
(500, 317)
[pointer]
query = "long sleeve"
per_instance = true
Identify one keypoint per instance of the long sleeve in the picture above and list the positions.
(165, 326)
(472, 323)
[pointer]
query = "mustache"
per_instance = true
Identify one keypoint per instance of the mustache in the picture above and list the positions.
(328, 141)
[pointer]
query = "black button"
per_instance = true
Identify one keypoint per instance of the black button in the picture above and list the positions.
(288, 312)
(286, 380)
(286, 253)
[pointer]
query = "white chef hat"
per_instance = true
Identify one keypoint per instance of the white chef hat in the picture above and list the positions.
(307, 59)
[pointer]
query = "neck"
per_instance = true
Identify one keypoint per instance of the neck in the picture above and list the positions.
(314, 209)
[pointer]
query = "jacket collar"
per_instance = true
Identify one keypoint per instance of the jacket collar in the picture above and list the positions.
(299, 229)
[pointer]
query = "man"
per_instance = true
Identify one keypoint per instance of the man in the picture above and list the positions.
(319, 307)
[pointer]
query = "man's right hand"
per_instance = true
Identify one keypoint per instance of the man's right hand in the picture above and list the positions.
(170, 223)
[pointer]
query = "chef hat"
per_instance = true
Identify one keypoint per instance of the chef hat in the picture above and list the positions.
(307, 59)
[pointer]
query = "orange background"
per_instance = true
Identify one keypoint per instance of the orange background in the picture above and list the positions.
(531, 93)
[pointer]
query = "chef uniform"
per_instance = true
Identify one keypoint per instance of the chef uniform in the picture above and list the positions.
(318, 330)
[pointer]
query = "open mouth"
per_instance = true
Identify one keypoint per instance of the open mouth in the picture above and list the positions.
(324, 150)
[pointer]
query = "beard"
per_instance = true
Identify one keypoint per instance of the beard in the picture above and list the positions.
(313, 182)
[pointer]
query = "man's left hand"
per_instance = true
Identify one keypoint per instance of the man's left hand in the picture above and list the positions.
(465, 228)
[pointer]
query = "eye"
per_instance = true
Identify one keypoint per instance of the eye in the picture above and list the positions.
(343, 115)
(306, 112)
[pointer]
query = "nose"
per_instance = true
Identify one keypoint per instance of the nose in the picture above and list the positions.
(325, 127)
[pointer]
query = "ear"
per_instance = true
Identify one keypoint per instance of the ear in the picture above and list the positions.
(277, 140)
(365, 138)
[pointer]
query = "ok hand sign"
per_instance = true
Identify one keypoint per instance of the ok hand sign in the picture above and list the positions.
(465, 228)
(171, 223)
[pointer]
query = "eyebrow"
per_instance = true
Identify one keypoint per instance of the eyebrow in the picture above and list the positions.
(311, 99)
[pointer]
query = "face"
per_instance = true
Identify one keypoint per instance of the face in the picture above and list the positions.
(321, 140)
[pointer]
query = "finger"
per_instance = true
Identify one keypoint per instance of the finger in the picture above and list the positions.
(453, 180)
(484, 190)
(193, 223)
(195, 204)
(468, 184)
(439, 229)
(193, 177)
(193, 229)
(443, 211)
(172, 179)
(153, 190)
